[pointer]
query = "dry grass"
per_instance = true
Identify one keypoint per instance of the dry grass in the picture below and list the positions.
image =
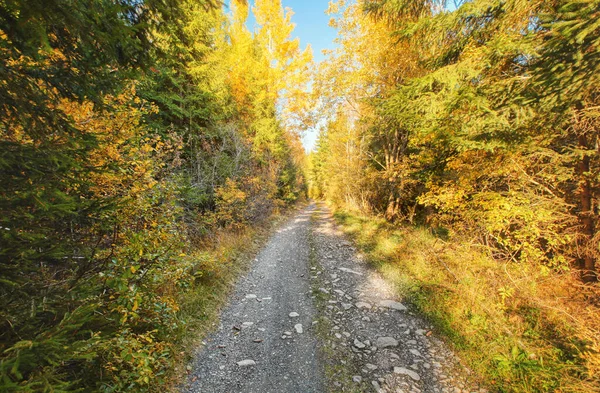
(520, 327)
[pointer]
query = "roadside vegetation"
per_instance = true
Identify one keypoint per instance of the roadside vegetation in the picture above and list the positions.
(460, 149)
(139, 157)
(518, 329)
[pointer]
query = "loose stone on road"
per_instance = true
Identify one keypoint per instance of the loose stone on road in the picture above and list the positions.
(378, 345)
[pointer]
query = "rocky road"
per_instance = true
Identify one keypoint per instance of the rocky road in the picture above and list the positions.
(310, 316)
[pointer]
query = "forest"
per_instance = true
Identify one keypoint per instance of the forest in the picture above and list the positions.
(471, 131)
(132, 135)
(145, 143)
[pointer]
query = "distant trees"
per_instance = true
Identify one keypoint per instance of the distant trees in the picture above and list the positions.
(129, 130)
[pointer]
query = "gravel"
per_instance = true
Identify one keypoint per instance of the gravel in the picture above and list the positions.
(271, 303)
(383, 346)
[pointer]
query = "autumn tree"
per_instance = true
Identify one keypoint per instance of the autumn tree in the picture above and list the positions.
(269, 89)
(360, 74)
(453, 99)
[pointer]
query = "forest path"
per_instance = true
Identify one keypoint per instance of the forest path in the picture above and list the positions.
(311, 316)
(269, 322)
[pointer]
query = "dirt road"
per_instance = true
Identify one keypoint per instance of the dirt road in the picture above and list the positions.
(310, 316)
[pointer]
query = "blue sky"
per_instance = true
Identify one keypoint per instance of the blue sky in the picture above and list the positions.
(312, 27)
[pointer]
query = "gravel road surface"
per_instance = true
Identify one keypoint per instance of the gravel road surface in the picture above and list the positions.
(266, 339)
(310, 316)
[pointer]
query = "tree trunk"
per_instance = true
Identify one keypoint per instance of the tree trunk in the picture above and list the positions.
(393, 202)
(587, 261)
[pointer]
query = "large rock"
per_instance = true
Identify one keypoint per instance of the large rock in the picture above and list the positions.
(405, 371)
(392, 304)
(359, 344)
(386, 342)
(345, 269)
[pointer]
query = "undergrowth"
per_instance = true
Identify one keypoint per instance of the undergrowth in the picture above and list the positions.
(520, 328)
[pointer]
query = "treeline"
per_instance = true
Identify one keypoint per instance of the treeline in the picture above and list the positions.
(131, 133)
(481, 121)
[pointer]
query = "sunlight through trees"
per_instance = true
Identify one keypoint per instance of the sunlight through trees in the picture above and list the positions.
(136, 135)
